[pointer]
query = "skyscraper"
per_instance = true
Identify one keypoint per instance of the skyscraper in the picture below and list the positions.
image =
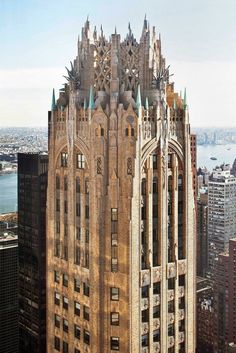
(8, 292)
(120, 222)
(225, 298)
(221, 212)
(32, 188)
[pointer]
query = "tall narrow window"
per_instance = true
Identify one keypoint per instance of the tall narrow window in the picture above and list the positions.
(80, 161)
(64, 159)
(57, 182)
(115, 346)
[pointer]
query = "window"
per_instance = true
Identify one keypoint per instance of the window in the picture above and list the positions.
(57, 320)
(156, 311)
(77, 209)
(77, 331)
(57, 343)
(87, 211)
(114, 293)
(64, 159)
(77, 284)
(77, 255)
(145, 315)
(114, 239)
(65, 280)
(115, 319)
(86, 187)
(57, 298)
(65, 206)
(80, 161)
(65, 252)
(154, 161)
(86, 236)
(56, 276)
(86, 313)
(65, 303)
(65, 183)
(57, 182)
(156, 335)
(86, 263)
(86, 289)
(144, 340)
(65, 347)
(114, 214)
(145, 292)
(115, 345)
(77, 350)
(58, 205)
(65, 325)
(114, 265)
(58, 227)
(78, 233)
(77, 185)
(86, 337)
(57, 248)
(66, 230)
(77, 308)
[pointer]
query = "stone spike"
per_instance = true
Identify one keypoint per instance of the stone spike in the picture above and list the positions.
(185, 99)
(54, 106)
(175, 104)
(91, 98)
(85, 104)
(146, 104)
(138, 99)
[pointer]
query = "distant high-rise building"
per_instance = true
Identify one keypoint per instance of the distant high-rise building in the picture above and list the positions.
(202, 233)
(32, 185)
(225, 299)
(121, 217)
(8, 292)
(221, 212)
(205, 316)
(193, 149)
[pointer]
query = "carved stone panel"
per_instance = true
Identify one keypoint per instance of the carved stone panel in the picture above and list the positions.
(182, 267)
(171, 270)
(156, 273)
(145, 278)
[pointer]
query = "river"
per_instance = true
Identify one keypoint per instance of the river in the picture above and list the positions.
(8, 193)
(223, 153)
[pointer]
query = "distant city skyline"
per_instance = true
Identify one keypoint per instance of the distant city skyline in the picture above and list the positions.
(38, 41)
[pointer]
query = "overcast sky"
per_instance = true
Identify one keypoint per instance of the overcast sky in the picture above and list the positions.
(39, 37)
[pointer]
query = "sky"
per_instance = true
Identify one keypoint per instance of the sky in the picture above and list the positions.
(39, 38)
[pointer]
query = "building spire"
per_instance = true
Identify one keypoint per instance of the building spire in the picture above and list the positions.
(138, 99)
(91, 98)
(54, 106)
(185, 99)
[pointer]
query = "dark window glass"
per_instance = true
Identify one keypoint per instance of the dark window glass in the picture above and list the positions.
(115, 346)
(114, 293)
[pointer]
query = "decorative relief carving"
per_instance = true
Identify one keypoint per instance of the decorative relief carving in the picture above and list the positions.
(129, 166)
(171, 341)
(144, 303)
(156, 299)
(99, 165)
(171, 270)
(156, 324)
(181, 337)
(182, 267)
(181, 314)
(145, 328)
(156, 272)
(171, 318)
(145, 278)
(156, 347)
(170, 294)
(181, 291)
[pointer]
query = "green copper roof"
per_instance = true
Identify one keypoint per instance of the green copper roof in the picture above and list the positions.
(91, 98)
(138, 99)
(54, 106)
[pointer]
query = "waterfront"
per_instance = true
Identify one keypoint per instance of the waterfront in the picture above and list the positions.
(223, 153)
(8, 193)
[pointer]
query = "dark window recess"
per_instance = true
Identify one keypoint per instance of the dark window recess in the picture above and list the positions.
(115, 344)
(77, 284)
(86, 337)
(77, 308)
(114, 293)
(65, 280)
(86, 289)
(86, 313)
(77, 331)
(64, 159)
(65, 347)
(57, 343)
(115, 319)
